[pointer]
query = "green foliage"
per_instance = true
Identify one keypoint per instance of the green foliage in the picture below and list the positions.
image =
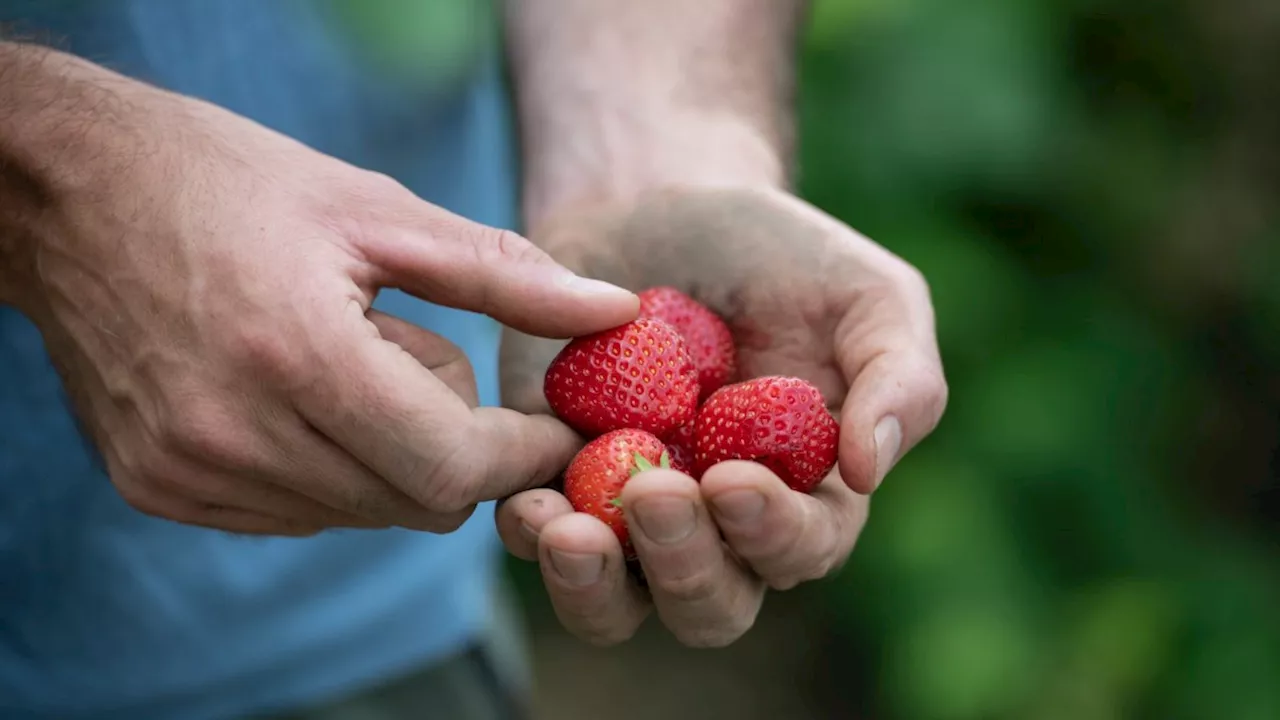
(1083, 537)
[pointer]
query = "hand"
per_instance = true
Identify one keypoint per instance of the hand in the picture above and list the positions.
(205, 291)
(805, 296)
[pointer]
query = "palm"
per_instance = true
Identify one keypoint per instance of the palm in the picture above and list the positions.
(776, 275)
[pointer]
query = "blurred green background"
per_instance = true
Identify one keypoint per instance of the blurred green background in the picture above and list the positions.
(1093, 189)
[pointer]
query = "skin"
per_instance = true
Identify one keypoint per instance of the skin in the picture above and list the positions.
(676, 174)
(204, 286)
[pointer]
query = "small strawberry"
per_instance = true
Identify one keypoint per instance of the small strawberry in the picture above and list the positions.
(593, 482)
(637, 375)
(709, 339)
(780, 422)
(680, 447)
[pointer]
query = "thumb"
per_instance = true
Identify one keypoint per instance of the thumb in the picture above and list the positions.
(449, 260)
(887, 348)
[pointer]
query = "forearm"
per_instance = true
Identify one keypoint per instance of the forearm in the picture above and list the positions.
(616, 97)
(67, 129)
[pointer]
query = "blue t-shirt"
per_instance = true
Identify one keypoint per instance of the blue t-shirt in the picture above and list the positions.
(108, 613)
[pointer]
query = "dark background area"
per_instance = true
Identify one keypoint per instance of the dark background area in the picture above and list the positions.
(1093, 190)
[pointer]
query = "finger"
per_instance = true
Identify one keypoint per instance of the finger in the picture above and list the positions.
(887, 349)
(515, 452)
(521, 517)
(218, 490)
(380, 404)
(243, 482)
(703, 595)
(452, 261)
(242, 522)
(587, 581)
(785, 537)
(218, 517)
(332, 476)
(278, 448)
(156, 500)
(444, 359)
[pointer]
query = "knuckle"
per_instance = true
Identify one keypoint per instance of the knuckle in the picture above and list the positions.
(820, 567)
(140, 497)
(445, 484)
(774, 549)
(697, 588)
(447, 494)
(784, 582)
(499, 245)
(264, 350)
(450, 522)
(379, 184)
(812, 559)
(829, 555)
(203, 430)
(908, 277)
(787, 578)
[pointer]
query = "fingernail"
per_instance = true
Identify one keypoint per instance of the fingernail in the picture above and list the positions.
(577, 569)
(739, 506)
(589, 286)
(666, 520)
(888, 441)
(529, 533)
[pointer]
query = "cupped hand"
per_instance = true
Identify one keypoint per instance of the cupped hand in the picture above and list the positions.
(804, 295)
(206, 292)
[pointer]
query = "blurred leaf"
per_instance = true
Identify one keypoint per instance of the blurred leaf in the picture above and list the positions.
(1122, 634)
(832, 22)
(964, 662)
(980, 292)
(1036, 409)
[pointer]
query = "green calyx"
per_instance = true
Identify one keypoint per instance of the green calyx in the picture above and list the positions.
(640, 464)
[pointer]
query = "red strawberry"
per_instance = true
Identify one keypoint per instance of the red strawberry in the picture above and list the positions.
(637, 375)
(593, 482)
(710, 342)
(680, 447)
(780, 422)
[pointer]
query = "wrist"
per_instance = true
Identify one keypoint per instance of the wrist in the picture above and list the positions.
(69, 133)
(636, 157)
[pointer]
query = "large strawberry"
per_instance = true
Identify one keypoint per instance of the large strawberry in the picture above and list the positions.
(637, 375)
(593, 482)
(709, 339)
(780, 422)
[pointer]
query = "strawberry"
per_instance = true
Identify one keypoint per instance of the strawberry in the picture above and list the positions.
(709, 339)
(637, 375)
(780, 422)
(593, 482)
(680, 447)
